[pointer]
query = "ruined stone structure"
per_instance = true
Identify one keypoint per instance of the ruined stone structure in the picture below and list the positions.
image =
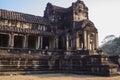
(64, 40)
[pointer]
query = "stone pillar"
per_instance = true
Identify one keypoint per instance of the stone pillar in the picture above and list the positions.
(94, 43)
(25, 41)
(96, 40)
(41, 42)
(38, 42)
(77, 42)
(11, 40)
(56, 42)
(85, 40)
(88, 41)
(67, 42)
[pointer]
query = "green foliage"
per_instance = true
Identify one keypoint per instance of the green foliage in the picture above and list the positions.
(112, 47)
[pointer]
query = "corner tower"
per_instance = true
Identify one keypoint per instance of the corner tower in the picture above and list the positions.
(83, 35)
(80, 11)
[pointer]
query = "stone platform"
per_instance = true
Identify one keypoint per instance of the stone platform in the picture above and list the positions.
(57, 62)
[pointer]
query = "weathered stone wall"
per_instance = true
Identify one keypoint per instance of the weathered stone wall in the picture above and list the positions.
(60, 62)
(115, 59)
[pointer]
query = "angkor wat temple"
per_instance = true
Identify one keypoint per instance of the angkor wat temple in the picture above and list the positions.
(64, 40)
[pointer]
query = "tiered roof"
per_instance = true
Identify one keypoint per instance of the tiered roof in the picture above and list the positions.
(5, 14)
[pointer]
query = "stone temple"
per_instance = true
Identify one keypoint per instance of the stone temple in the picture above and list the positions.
(64, 40)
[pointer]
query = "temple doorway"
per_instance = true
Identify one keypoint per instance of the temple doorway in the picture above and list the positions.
(60, 42)
(18, 41)
(4, 38)
(45, 42)
(32, 42)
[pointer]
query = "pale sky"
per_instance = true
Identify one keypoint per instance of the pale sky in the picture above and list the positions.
(105, 14)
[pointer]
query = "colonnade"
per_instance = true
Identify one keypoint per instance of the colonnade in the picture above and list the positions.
(27, 41)
(85, 40)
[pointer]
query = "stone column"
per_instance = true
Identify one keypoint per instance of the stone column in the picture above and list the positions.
(93, 43)
(41, 42)
(25, 41)
(77, 42)
(38, 42)
(88, 41)
(96, 40)
(11, 40)
(56, 41)
(67, 42)
(85, 40)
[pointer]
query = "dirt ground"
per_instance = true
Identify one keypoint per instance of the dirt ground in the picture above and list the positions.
(56, 77)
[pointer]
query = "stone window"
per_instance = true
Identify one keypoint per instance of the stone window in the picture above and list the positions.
(18, 24)
(6, 22)
(25, 25)
(13, 23)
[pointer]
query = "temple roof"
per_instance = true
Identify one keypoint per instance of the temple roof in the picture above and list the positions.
(5, 14)
(61, 9)
(58, 8)
(85, 24)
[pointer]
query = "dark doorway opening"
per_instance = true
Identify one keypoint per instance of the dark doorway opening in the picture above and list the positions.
(4, 38)
(18, 41)
(45, 42)
(31, 42)
(60, 43)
